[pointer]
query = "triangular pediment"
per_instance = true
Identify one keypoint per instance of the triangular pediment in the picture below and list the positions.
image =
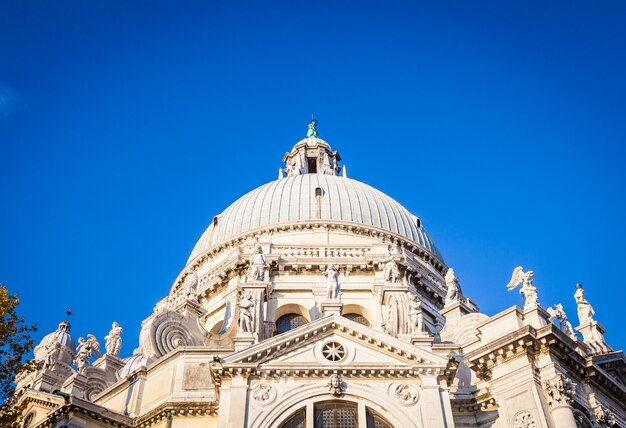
(314, 347)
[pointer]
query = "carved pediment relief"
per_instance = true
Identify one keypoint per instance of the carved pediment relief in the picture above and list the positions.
(336, 343)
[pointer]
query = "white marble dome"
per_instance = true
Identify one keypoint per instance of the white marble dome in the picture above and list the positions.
(293, 199)
(61, 335)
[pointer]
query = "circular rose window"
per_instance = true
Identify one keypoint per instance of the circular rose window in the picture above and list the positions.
(333, 351)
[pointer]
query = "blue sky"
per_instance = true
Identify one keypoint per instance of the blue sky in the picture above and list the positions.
(126, 126)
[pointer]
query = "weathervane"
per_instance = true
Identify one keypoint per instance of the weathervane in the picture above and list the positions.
(312, 128)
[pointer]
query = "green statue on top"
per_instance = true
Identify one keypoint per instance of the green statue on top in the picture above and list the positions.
(312, 132)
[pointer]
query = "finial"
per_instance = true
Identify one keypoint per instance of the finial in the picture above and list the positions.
(312, 132)
(68, 313)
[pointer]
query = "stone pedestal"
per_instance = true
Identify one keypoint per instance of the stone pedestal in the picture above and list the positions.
(593, 336)
(421, 340)
(536, 317)
(243, 341)
(455, 310)
(110, 365)
(331, 307)
(76, 385)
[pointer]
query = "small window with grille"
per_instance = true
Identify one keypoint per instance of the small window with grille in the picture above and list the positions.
(358, 318)
(289, 322)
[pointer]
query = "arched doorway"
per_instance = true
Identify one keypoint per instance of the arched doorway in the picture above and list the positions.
(336, 414)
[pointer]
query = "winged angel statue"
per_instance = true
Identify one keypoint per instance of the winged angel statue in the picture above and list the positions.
(528, 290)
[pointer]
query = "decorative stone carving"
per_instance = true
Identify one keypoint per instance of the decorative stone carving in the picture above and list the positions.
(407, 394)
(335, 384)
(416, 317)
(604, 418)
(601, 415)
(528, 290)
(332, 285)
(168, 330)
(113, 341)
(560, 390)
(333, 351)
(585, 310)
(258, 265)
(454, 289)
(264, 393)
(558, 313)
(524, 419)
(85, 350)
(246, 317)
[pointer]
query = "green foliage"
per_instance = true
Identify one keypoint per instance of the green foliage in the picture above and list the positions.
(15, 342)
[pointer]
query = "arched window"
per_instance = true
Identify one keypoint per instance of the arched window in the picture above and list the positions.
(296, 421)
(358, 318)
(336, 414)
(289, 322)
(374, 420)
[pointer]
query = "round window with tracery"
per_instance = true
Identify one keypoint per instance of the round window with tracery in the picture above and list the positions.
(333, 351)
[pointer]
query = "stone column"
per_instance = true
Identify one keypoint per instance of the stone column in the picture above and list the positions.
(560, 391)
(233, 403)
(434, 412)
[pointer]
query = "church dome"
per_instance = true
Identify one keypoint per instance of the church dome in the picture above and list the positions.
(61, 335)
(309, 198)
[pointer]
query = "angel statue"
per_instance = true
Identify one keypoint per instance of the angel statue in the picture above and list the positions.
(454, 289)
(85, 350)
(94, 345)
(528, 290)
(558, 313)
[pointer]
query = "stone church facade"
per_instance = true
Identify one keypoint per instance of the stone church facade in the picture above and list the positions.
(318, 301)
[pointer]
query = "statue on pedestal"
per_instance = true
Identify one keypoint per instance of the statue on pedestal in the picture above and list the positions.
(258, 265)
(113, 342)
(585, 310)
(416, 317)
(391, 273)
(332, 284)
(246, 318)
(190, 284)
(312, 132)
(528, 290)
(453, 293)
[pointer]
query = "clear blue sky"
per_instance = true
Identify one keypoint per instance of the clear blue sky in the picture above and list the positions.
(126, 126)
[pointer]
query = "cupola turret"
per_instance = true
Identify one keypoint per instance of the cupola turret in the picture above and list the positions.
(311, 155)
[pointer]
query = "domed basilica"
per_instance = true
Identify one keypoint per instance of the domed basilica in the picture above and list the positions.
(318, 301)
